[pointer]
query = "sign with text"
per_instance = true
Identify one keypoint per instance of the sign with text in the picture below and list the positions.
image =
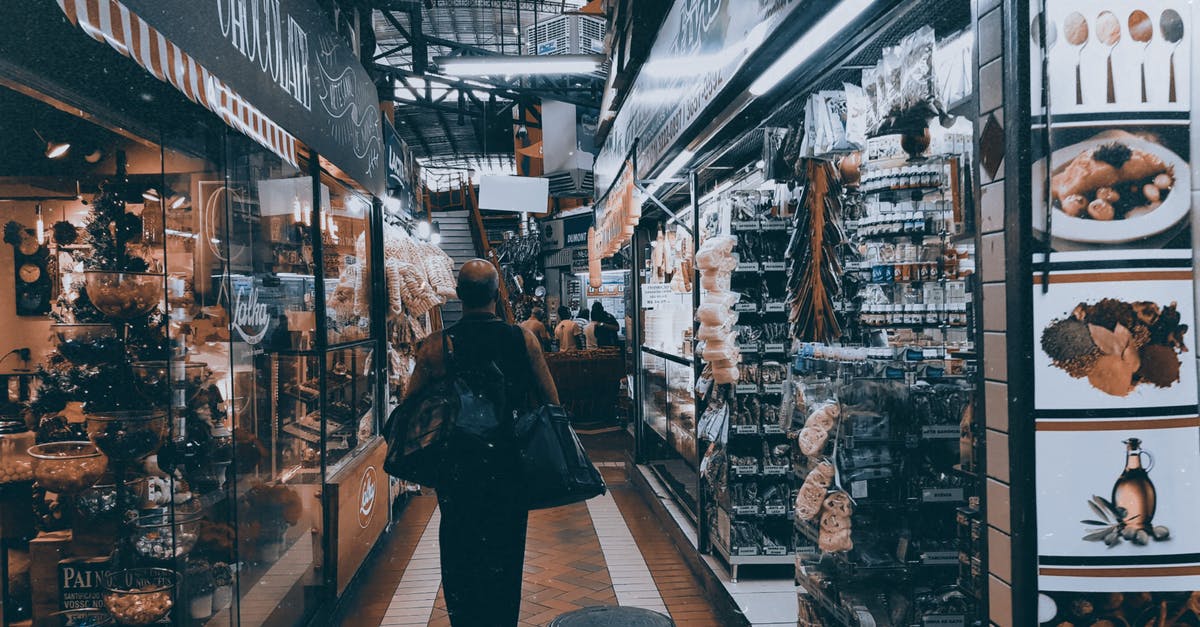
(266, 67)
(655, 295)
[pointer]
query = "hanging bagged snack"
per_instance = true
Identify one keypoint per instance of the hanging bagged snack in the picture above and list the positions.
(595, 280)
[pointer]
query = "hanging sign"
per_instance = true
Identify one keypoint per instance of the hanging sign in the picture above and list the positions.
(275, 70)
(700, 46)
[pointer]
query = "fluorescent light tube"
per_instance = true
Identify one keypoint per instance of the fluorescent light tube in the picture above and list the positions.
(818, 35)
(520, 65)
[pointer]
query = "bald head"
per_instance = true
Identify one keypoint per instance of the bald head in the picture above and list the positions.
(478, 284)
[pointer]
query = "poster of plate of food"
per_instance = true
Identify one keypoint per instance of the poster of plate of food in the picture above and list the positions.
(1113, 189)
(1110, 336)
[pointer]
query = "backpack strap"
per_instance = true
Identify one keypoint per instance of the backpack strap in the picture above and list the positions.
(448, 361)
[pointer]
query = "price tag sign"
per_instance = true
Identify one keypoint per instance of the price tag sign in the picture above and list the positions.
(655, 295)
(774, 266)
(942, 495)
(940, 432)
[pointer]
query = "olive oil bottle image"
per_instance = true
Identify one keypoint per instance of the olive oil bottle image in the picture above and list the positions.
(1134, 491)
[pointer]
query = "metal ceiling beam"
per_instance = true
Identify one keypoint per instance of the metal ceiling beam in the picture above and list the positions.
(508, 92)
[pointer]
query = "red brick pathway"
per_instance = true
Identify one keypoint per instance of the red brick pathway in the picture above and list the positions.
(565, 567)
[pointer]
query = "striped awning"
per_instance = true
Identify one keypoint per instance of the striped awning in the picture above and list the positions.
(111, 22)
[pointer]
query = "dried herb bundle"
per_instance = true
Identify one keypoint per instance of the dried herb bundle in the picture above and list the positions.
(814, 269)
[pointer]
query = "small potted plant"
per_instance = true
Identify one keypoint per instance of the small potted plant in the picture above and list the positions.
(199, 584)
(222, 576)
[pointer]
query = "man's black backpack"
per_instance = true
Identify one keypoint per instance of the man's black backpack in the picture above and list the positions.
(463, 404)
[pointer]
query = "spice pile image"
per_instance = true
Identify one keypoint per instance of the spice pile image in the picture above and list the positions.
(1117, 345)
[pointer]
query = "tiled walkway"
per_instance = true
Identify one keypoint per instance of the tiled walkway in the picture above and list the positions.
(608, 551)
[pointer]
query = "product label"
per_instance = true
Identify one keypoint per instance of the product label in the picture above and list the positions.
(940, 432)
(944, 621)
(772, 388)
(942, 495)
(939, 557)
(775, 307)
(745, 429)
(744, 225)
(81, 582)
(772, 429)
(746, 266)
(745, 551)
(745, 470)
(775, 348)
(774, 266)
(858, 489)
(774, 470)
(745, 510)
(775, 225)
(746, 307)
(746, 388)
(775, 550)
(748, 348)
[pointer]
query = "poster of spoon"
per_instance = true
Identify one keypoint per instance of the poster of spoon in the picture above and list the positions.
(1112, 57)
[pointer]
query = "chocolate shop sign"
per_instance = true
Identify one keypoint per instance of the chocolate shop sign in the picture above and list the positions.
(276, 70)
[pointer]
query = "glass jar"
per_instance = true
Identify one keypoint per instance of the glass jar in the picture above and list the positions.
(15, 463)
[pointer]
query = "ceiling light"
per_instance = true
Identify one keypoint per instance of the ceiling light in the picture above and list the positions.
(818, 35)
(520, 65)
(178, 201)
(54, 150)
(151, 195)
(41, 225)
(94, 156)
(435, 234)
(671, 170)
(392, 204)
(423, 229)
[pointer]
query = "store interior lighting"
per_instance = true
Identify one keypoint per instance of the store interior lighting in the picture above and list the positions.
(177, 201)
(41, 225)
(673, 168)
(151, 195)
(828, 27)
(520, 65)
(424, 229)
(435, 233)
(54, 149)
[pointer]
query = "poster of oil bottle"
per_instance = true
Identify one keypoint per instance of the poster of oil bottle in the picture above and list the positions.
(1119, 518)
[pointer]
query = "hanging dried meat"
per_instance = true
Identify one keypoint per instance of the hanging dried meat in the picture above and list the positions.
(814, 269)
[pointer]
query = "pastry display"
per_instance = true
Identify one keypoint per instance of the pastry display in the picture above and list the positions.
(1118, 345)
(1112, 182)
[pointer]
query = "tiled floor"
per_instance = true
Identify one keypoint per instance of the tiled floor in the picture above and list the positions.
(609, 551)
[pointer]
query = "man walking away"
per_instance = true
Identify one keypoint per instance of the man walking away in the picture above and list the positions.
(482, 533)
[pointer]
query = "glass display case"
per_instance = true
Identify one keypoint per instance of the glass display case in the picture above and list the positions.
(208, 408)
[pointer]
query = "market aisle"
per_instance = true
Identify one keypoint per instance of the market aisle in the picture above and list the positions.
(609, 551)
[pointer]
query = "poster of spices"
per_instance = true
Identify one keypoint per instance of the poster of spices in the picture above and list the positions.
(1115, 333)
(1112, 56)
(1128, 503)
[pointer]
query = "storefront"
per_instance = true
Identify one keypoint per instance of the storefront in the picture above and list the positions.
(191, 199)
(920, 326)
(810, 374)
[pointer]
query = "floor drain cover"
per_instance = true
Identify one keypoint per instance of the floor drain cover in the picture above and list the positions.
(609, 616)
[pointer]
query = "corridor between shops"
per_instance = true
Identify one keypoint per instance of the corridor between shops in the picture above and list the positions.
(607, 551)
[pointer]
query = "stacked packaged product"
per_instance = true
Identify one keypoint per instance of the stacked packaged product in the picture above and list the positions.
(717, 319)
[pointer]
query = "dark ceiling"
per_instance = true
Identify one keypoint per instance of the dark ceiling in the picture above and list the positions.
(451, 120)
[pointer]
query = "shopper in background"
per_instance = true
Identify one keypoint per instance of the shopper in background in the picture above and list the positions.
(534, 325)
(604, 325)
(484, 519)
(584, 320)
(568, 333)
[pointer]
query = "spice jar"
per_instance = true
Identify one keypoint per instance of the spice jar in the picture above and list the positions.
(15, 463)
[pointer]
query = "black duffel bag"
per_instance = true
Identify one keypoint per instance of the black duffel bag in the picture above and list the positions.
(554, 466)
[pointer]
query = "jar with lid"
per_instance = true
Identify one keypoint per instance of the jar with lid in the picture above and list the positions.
(15, 463)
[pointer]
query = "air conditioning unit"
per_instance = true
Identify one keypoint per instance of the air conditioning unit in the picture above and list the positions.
(566, 34)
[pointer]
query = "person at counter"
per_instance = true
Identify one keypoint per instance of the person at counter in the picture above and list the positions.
(568, 333)
(604, 326)
(484, 517)
(534, 325)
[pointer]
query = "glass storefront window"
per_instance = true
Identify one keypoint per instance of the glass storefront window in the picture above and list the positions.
(346, 241)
